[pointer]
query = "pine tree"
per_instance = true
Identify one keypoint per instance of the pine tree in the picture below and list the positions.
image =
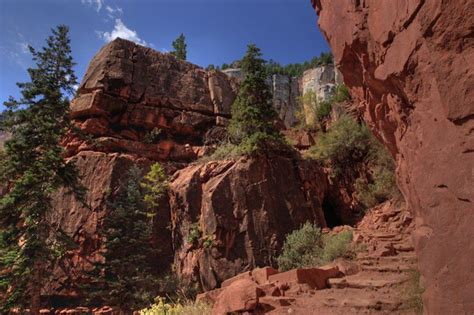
(33, 169)
(252, 112)
(180, 46)
(127, 278)
(155, 185)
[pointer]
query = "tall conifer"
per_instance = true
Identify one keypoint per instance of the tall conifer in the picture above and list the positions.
(33, 168)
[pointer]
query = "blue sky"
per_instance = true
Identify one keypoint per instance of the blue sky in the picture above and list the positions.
(217, 31)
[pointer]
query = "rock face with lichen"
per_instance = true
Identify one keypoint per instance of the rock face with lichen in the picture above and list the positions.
(409, 64)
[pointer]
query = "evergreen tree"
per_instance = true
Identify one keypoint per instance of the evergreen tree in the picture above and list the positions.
(180, 46)
(33, 168)
(155, 185)
(127, 278)
(252, 111)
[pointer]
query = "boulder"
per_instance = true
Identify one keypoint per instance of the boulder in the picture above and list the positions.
(316, 278)
(261, 275)
(241, 296)
(209, 296)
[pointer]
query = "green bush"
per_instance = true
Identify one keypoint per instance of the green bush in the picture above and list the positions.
(352, 152)
(338, 245)
(341, 94)
(308, 247)
(302, 248)
(344, 147)
(194, 233)
(176, 288)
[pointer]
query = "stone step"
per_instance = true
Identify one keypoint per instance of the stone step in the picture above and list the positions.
(400, 257)
(389, 268)
(374, 280)
(358, 301)
(361, 302)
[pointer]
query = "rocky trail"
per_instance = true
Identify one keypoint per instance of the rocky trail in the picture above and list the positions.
(377, 281)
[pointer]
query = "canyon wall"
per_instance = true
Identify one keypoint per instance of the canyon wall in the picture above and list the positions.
(410, 66)
(136, 106)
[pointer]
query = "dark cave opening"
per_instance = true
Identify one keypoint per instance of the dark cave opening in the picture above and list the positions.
(330, 214)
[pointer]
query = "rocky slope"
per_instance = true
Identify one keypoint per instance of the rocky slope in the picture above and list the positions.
(409, 64)
(377, 281)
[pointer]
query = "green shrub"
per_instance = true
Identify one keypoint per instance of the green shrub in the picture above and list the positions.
(308, 247)
(341, 94)
(314, 112)
(344, 147)
(302, 248)
(175, 288)
(155, 184)
(208, 242)
(152, 136)
(194, 233)
(338, 245)
(352, 152)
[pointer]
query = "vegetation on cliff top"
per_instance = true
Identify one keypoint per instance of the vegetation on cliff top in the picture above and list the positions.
(180, 47)
(252, 126)
(34, 167)
(292, 69)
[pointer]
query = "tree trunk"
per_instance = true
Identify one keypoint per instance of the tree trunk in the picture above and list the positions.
(35, 290)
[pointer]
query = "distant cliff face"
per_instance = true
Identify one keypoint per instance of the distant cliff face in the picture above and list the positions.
(287, 90)
(409, 64)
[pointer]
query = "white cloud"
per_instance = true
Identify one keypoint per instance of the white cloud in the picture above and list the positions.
(112, 13)
(95, 3)
(122, 31)
(111, 10)
(24, 47)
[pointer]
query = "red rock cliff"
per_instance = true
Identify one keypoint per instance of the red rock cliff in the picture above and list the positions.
(410, 64)
(241, 209)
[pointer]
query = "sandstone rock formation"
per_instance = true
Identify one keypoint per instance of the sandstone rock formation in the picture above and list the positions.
(243, 208)
(130, 90)
(409, 64)
(137, 106)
